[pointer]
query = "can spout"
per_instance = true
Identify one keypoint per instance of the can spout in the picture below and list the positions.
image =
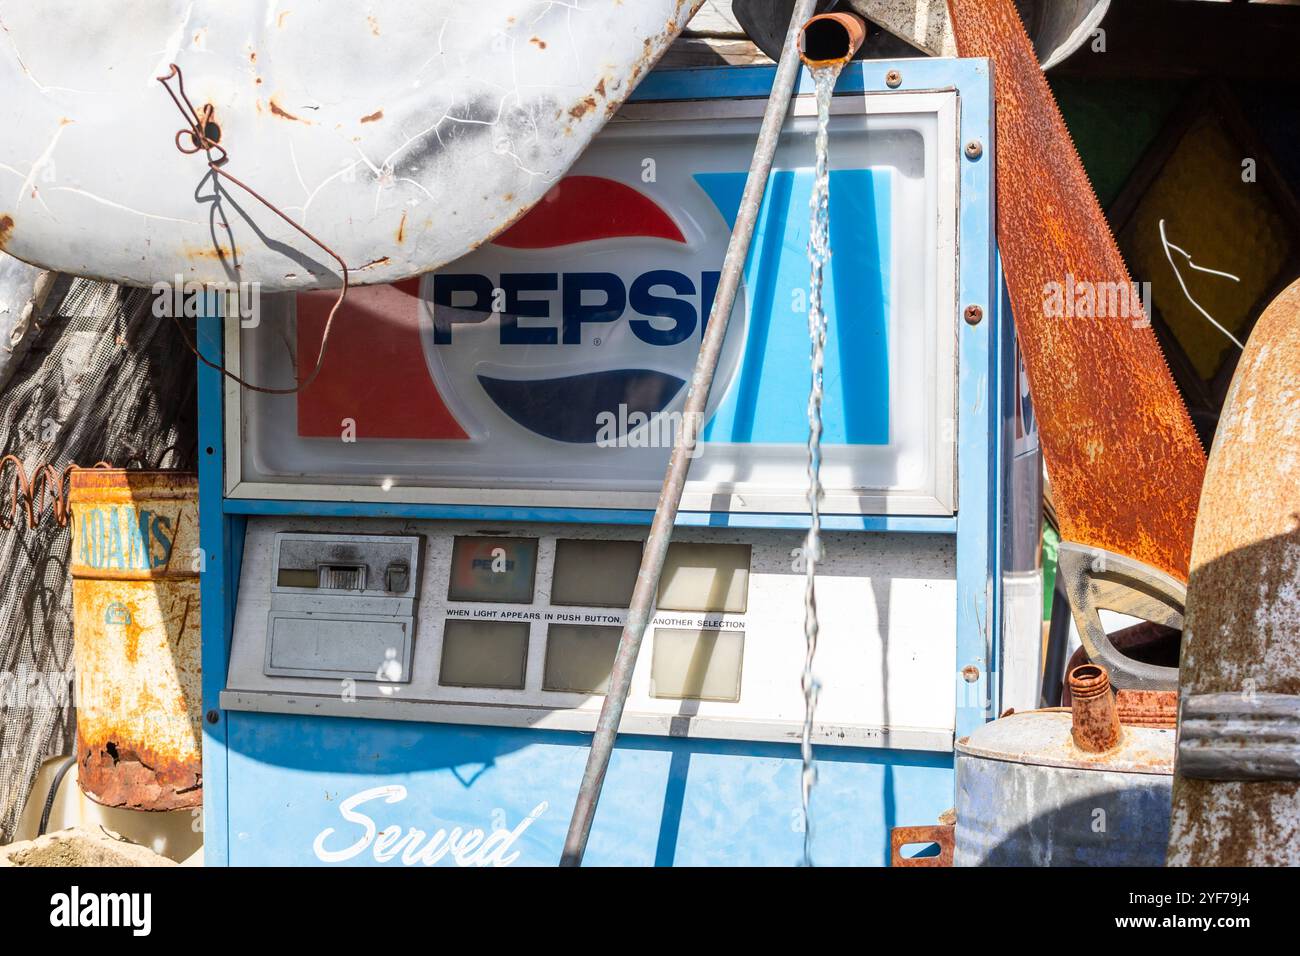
(831, 39)
(1093, 709)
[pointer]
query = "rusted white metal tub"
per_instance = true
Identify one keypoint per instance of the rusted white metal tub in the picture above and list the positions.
(403, 134)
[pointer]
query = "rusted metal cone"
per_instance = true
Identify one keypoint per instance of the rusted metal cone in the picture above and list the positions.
(1092, 706)
(1236, 799)
(830, 39)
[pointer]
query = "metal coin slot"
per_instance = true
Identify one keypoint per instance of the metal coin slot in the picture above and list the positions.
(342, 606)
(342, 577)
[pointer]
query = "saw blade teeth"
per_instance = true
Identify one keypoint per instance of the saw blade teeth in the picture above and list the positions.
(1115, 430)
(1128, 275)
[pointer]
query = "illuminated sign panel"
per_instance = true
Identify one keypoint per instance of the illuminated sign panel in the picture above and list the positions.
(550, 367)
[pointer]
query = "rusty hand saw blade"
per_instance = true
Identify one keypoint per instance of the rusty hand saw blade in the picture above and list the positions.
(1125, 463)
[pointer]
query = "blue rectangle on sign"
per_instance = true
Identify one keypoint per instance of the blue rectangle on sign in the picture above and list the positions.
(757, 407)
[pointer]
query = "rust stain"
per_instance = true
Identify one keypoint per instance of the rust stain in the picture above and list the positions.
(401, 229)
(538, 42)
(279, 21)
(280, 111)
(600, 89)
(371, 117)
(382, 261)
(132, 636)
(1148, 708)
(374, 26)
(943, 834)
(123, 773)
(583, 107)
(215, 253)
(6, 229)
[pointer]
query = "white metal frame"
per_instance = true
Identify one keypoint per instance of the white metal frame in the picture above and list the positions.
(941, 499)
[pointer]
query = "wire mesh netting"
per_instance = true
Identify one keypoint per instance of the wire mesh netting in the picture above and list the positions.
(106, 380)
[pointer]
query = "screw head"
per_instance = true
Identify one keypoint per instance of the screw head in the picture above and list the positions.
(973, 315)
(213, 716)
(974, 149)
(893, 79)
(970, 673)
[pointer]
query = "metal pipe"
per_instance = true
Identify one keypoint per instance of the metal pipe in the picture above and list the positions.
(831, 39)
(670, 497)
(1095, 716)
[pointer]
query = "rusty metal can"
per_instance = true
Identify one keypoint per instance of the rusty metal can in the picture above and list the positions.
(1028, 795)
(135, 599)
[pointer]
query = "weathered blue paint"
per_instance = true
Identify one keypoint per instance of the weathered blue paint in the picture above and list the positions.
(121, 538)
(979, 561)
(917, 524)
(273, 783)
(218, 578)
(665, 802)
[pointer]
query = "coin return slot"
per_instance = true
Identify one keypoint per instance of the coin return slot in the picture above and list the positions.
(697, 664)
(705, 577)
(491, 654)
(579, 658)
(595, 573)
(342, 577)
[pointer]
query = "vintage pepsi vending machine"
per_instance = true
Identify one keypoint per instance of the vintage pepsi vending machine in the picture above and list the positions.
(418, 568)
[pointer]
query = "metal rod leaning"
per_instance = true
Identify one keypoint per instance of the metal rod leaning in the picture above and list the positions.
(670, 497)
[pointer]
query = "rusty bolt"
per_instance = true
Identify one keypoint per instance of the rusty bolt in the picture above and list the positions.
(213, 716)
(893, 79)
(974, 149)
(973, 315)
(970, 673)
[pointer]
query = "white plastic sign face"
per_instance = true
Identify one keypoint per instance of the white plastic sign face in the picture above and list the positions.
(551, 366)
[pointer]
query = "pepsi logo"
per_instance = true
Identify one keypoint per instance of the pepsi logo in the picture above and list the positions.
(516, 359)
(593, 305)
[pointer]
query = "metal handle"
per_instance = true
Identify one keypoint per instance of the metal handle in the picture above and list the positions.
(1094, 579)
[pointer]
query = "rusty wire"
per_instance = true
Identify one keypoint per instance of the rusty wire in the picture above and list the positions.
(31, 494)
(201, 141)
(45, 482)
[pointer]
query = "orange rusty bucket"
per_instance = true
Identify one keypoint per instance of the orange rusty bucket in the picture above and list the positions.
(135, 606)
